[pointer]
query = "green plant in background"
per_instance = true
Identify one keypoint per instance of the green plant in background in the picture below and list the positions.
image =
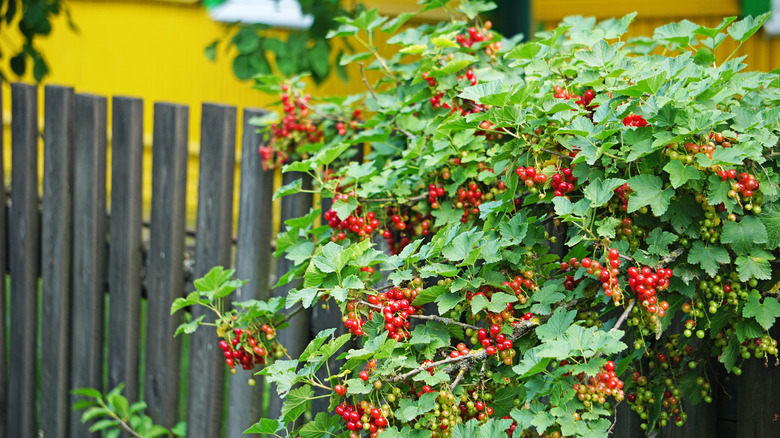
(541, 232)
(302, 52)
(34, 20)
(114, 415)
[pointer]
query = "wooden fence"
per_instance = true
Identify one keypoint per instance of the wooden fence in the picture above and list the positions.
(96, 263)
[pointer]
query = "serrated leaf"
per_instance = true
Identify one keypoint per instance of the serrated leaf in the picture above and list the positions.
(288, 189)
(344, 208)
(730, 354)
(305, 296)
(600, 192)
(557, 325)
(765, 313)
(679, 174)
(659, 241)
(546, 296)
(647, 190)
(599, 55)
(266, 426)
(746, 27)
(771, 220)
(743, 235)
(189, 327)
(321, 426)
(755, 265)
(709, 257)
(606, 227)
(296, 403)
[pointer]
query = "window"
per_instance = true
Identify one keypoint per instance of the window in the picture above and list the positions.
(279, 13)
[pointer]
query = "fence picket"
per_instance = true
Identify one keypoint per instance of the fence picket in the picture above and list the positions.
(165, 261)
(214, 239)
(758, 412)
(125, 256)
(298, 334)
(56, 253)
(89, 247)
(23, 260)
(252, 261)
(3, 268)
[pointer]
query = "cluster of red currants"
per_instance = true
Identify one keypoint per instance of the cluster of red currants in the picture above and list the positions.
(520, 285)
(494, 341)
(434, 193)
(359, 417)
(469, 199)
(563, 182)
(745, 185)
(635, 120)
(472, 407)
(597, 388)
(396, 308)
(243, 349)
(645, 283)
(530, 176)
(352, 320)
(474, 36)
(623, 192)
(355, 223)
(607, 275)
(584, 99)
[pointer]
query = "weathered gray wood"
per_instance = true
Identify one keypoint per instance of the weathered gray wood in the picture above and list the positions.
(164, 264)
(758, 414)
(3, 269)
(297, 336)
(89, 252)
(215, 213)
(125, 263)
(56, 252)
(23, 260)
(627, 423)
(252, 261)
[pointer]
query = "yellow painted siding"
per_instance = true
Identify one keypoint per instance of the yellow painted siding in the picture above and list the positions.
(763, 52)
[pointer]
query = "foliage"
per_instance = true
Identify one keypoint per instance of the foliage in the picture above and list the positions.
(34, 20)
(114, 415)
(567, 224)
(302, 52)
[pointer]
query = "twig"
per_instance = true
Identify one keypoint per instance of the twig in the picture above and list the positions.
(556, 153)
(376, 98)
(289, 315)
(425, 317)
(379, 200)
(458, 378)
(624, 316)
(444, 320)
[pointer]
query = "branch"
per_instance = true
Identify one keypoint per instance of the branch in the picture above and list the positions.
(379, 200)
(624, 316)
(566, 157)
(373, 93)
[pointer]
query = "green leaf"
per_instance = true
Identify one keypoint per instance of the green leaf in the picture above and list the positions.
(461, 246)
(606, 227)
(647, 190)
(659, 241)
(771, 220)
(321, 426)
(503, 400)
(546, 296)
(765, 313)
(88, 392)
(307, 296)
(408, 409)
(680, 174)
(599, 55)
(448, 301)
(92, 413)
(557, 325)
(266, 426)
(755, 265)
(288, 189)
(743, 235)
(189, 327)
(600, 192)
(531, 364)
(103, 424)
(709, 257)
(730, 354)
(296, 403)
(344, 208)
(748, 329)
(746, 27)
(680, 33)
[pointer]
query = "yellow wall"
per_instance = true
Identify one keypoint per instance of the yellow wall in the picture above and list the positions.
(763, 52)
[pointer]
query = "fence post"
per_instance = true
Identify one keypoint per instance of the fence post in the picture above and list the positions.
(56, 252)
(758, 414)
(213, 245)
(89, 251)
(23, 259)
(125, 256)
(252, 261)
(3, 269)
(165, 261)
(297, 336)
